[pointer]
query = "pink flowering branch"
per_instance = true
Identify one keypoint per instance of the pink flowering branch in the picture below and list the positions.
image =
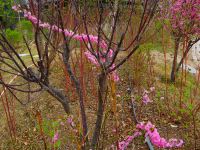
(55, 137)
(124, 144)
(79, 37)
(104, 56)
(151, 133)
(155, 137)
(183, 16)
(183, 19)
(71, 122)
(145, 98)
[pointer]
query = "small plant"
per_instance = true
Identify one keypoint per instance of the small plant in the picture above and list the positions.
(14, 36)
(51, 131)
(26, 28)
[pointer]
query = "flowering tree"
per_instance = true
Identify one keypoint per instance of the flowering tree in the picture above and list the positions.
(100, 49)
(182, 17)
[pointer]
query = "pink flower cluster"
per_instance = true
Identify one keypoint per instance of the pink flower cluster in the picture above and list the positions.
(145, 97)
(124, 144)
(55, 137)
(183, 15)
(155, 137)
(93, 60)
(71, 122)
(186, 16)
(79, 37)
(16, 8)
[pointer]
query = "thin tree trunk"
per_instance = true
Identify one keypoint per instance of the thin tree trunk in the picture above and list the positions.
(182, 59)
(101, 99)
(80, 94)
(174, 65)
(190, 44)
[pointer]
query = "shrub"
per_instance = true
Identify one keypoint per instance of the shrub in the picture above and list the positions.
(14, 36)
(25, 27)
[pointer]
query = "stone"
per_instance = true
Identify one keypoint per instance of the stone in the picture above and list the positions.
(196, 51)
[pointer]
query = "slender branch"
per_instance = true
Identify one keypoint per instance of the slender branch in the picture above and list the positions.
(190, 44)
(78, 87)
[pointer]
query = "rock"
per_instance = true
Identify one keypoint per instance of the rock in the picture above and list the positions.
(190, 69)
(174, 126)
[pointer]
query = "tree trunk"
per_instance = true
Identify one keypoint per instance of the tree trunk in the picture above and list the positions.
(189, 46)
(182, 59)
(174, 65)
(81, 99)
(102, 90)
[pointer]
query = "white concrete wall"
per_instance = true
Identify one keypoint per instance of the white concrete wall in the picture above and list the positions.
(196, 51)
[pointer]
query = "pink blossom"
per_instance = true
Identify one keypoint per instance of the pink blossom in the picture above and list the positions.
(146, 99)
(91, 58)
(70, 121)
(45, 25)
(115, 76)
(55, 137)
(79, 37)
(155, 138)
(183, 16)
(15, 8)
(124, 144)
(152, 89)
